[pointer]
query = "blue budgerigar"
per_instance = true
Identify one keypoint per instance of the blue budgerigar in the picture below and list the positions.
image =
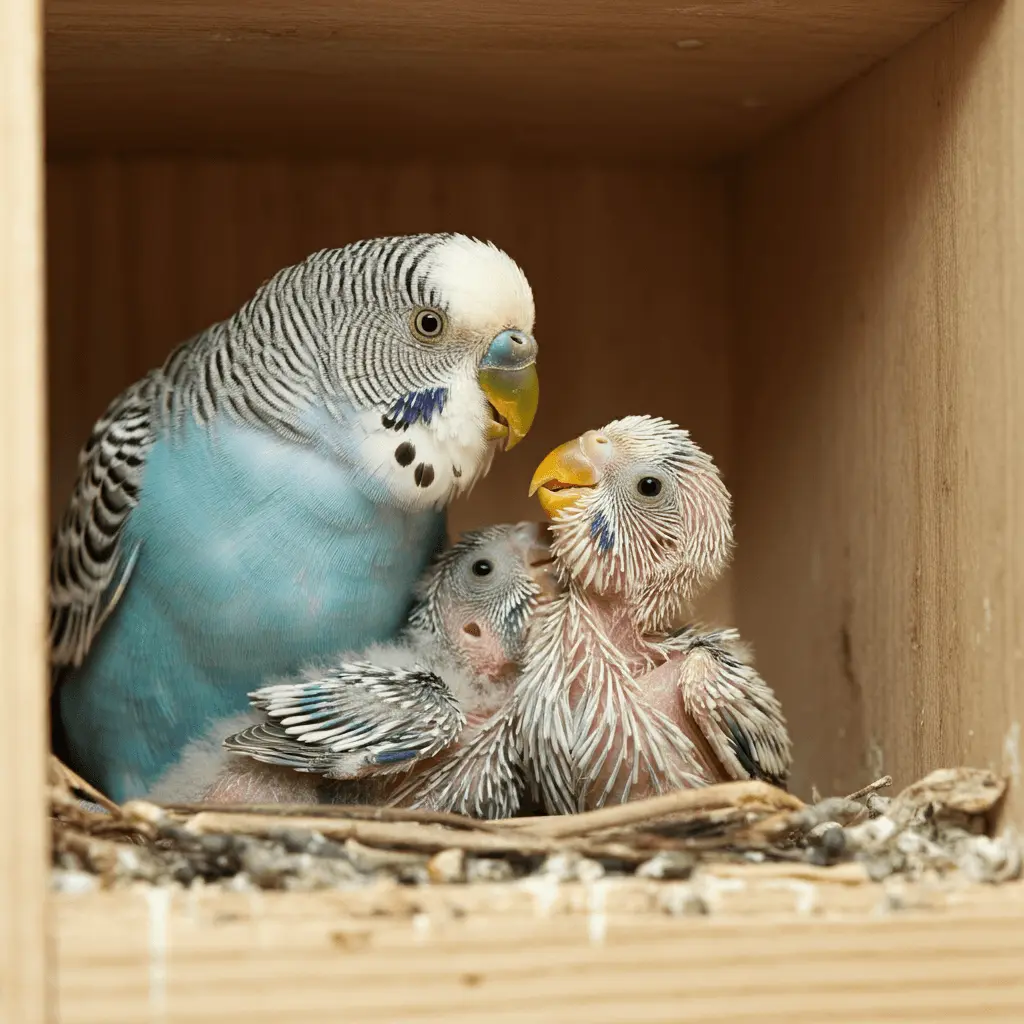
(271, 494)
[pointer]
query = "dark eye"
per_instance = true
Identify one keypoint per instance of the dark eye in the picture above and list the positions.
(649, 487)
(429, 323)
(481, 567)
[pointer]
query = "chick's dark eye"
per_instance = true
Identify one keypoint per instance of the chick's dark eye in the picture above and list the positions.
(481, 567)
(649, 487)
(429, 323)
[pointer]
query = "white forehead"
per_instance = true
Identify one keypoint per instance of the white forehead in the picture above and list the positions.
(482, 286)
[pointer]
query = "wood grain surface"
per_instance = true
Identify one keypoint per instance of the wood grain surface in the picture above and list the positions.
(880, 424)
(765, 949)
(23, 681)
(490, 79)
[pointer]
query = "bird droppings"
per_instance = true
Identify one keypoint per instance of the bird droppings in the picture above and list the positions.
(159, 901)
(874, 758)
(75, 882)
(805, 892)
(421, 926)
(696, 848)
(1011, 753)
(683, 901)
(597, 915)
(545, 889)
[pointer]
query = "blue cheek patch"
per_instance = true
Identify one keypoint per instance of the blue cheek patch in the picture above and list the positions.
(600, 529)
(395, 756)
(417, 406)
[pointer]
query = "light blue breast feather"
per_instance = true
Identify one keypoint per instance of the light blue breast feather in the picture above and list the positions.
(254, 558)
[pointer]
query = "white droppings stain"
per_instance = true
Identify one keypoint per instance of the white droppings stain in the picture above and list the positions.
(545, 892)
(74, 882)
(807, 896)
(597, 918)
(710, 889)
(421, 927)
(159, 901)
(986, 607)
(875, 758)
(1011, 753)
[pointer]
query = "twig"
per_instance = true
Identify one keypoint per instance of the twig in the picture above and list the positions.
(741, 795)
(407, 835)
(883, 783)
(75, 781)
(360, 812)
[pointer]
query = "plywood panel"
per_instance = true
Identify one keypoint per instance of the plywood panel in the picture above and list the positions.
(24, 836)
(430, 78)
(881, 447)
(628, 266)
(771, 951)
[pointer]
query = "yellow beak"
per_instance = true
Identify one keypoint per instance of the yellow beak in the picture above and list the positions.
(514, 394)
(568, 471)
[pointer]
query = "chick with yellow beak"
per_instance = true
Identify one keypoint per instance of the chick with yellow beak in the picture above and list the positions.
(613, 705)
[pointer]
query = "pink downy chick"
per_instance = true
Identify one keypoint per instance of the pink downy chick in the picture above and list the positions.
(612, 706)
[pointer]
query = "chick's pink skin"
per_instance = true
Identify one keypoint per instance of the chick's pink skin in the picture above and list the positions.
(656, 689)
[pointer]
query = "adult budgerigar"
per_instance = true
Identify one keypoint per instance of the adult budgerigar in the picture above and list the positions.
(271, 494)
(377, 718)
(612, 705)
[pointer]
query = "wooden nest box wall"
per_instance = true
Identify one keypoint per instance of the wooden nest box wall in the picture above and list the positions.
(795, 228)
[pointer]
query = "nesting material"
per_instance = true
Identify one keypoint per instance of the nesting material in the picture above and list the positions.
(945, 824)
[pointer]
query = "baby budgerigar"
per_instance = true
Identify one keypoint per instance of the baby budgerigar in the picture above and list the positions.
(613, 705)
(271, 494)
(377, 719)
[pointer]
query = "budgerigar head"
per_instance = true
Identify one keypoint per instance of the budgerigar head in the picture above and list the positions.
(480, 593)
(637, 509)
(424, 358)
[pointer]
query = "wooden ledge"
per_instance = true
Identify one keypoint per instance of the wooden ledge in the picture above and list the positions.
(764, 943)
